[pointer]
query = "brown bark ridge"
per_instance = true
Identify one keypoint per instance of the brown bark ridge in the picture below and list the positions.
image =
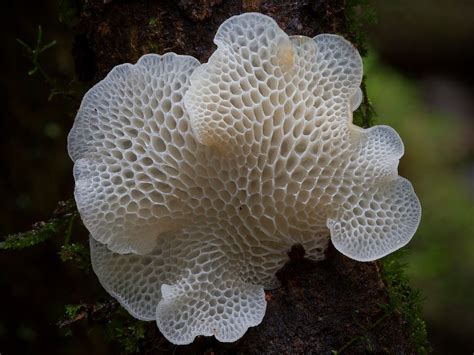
(327, 307)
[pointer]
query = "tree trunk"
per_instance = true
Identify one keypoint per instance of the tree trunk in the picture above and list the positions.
(334, 305)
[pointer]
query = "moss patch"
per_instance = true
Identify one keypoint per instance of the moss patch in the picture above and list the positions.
(406, 301)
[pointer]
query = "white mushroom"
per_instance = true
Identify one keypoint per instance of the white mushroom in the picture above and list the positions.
(196, 180)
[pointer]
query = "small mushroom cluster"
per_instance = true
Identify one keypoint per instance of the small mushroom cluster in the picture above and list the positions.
(195, 180)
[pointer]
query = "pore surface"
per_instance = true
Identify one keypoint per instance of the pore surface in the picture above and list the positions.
(287, 103)
(194, 181)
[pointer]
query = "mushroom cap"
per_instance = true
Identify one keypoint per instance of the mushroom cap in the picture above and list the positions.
(194, 181)
(127, 142)
(288, 101)
(190, 285)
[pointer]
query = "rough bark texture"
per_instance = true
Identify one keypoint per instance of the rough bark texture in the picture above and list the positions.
(337, 304)
(333, 306)
(122, 31)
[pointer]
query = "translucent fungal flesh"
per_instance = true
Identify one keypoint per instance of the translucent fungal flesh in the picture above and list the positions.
(196, 180)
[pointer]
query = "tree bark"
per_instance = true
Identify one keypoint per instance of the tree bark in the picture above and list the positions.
(334, 305)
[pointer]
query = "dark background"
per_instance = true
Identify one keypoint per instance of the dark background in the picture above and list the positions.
(420, 80)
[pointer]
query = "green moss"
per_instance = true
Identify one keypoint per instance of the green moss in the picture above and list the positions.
(62, 219)
(152, 22)
(77, 254)
(402, 300)
(40, 232)
(406, 301)
(107, 319)
(359, 14)
(71, 310)
(365, 115)
(127, 332)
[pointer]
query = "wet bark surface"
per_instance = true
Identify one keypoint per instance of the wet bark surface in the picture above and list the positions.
(334, 305)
